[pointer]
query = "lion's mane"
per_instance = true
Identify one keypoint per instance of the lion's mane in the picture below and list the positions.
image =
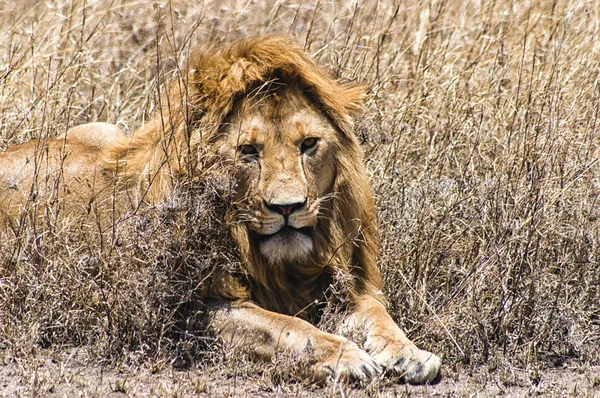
(177, 142)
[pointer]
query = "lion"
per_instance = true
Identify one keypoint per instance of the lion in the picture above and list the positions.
(302, 214)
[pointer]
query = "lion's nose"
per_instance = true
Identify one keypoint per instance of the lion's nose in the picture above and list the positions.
(285, 208)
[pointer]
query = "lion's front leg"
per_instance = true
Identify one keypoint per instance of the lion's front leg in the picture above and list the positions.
(388, 344)
(265, 333)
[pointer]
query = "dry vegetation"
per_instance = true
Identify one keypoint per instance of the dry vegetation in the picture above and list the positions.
(481, 137)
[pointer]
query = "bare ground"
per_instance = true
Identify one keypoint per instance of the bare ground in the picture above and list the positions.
(58, 374)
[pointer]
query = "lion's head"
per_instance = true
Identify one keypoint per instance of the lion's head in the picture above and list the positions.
(303, 208)
(285, 148)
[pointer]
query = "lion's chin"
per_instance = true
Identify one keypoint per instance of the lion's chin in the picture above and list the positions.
(287, 245)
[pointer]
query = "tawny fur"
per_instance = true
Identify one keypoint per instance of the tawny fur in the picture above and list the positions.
(98, 134)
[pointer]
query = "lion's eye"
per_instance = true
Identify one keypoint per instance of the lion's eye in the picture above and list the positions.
(308, 143)
(248, 150)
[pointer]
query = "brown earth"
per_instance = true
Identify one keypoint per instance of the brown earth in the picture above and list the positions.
(61, 375)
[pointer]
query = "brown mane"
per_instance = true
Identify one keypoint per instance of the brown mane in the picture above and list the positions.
(173, 144)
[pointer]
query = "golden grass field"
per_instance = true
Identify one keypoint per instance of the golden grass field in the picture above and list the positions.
(482, 141)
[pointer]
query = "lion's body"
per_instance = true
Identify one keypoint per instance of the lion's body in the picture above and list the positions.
(97, 134)
(39, 173)
(302, 218)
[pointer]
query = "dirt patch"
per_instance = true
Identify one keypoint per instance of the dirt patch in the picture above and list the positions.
(57, 375)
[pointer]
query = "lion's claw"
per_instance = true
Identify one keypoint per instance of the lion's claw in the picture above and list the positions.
(413, 365)
(422, 367)
(351, 364)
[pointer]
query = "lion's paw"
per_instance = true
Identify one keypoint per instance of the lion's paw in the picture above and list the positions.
(349, 363)
(413, 365)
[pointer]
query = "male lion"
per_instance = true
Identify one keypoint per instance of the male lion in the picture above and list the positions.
(302, 216)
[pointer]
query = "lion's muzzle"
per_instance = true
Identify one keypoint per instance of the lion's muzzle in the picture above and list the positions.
(286, 229)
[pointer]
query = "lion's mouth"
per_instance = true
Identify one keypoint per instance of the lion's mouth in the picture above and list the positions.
(287, 244)
(289, 231)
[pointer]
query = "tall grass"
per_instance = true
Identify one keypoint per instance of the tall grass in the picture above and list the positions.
(480, 132)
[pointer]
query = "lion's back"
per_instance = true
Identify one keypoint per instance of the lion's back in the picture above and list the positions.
(42, 172)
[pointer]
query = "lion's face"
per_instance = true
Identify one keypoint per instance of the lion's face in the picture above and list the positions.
(284, 151)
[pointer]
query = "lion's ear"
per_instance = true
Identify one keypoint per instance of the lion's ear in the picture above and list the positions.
(193, 74)
(354, 97)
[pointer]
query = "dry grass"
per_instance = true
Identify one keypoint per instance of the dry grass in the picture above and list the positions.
(480, 133)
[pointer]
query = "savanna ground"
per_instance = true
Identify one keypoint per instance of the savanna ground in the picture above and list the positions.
(481, 138)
